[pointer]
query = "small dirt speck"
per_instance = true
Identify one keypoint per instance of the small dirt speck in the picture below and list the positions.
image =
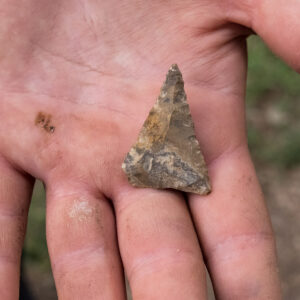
(43, 120)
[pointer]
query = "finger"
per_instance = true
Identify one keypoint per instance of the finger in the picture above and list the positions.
(276, 22)
(235, 232)
(159, 246)
(82, 246)
(15, 193)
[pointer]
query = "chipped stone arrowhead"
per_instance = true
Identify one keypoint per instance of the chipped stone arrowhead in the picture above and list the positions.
(167, 153)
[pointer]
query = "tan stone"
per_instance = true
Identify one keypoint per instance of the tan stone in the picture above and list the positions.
(167, 153)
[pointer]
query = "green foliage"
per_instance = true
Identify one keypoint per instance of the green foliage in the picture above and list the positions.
(286, 153)
(289, 154)
(267, 73)
(273, 108)
(35, 250)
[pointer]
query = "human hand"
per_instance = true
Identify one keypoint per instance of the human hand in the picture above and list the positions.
(77, 80)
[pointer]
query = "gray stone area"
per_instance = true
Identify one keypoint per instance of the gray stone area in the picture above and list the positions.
(167, 153)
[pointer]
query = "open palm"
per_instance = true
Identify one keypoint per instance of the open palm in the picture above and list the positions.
(77, 80)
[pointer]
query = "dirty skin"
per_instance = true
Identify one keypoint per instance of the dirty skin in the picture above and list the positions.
(43, 121)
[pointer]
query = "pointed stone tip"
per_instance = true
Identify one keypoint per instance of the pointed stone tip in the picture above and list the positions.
(174, 76)
(174, 68)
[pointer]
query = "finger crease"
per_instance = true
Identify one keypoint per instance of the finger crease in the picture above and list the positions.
(151, 263)
(80, 256)
(233, 246)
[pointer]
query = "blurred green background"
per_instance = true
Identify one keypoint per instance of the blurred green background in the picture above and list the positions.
(273, 120)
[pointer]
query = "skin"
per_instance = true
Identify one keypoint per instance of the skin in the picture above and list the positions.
(94, 69)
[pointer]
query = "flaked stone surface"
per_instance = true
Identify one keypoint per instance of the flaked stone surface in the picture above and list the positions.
(167, 153)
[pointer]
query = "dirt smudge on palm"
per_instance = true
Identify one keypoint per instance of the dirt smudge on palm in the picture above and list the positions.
(44, 121)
